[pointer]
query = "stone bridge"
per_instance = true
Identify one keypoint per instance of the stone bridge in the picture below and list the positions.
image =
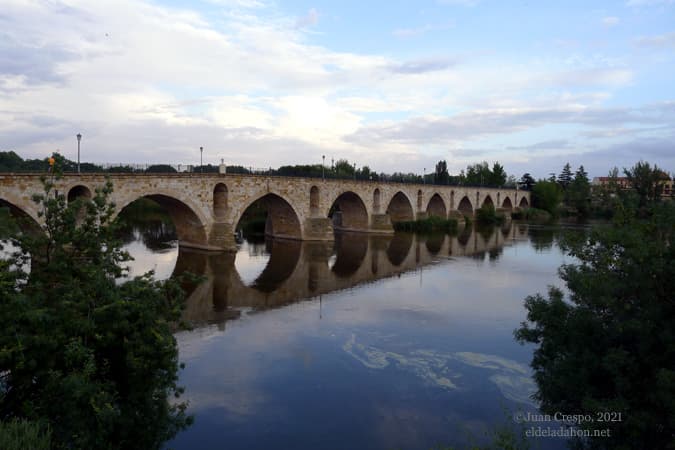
(206, 208)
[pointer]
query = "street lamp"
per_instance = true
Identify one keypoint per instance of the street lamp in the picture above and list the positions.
(79, 138)
(323, 167)
(201, 159)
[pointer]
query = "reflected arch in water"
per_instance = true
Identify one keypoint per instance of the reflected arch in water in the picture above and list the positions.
(220, 200)
(284, 257)
(507, 204)
(399, 248)
(350, 249)
(436, 207)
(465, 206)
(434, 243)
(400, 208)
(349, 212)
(188, 225)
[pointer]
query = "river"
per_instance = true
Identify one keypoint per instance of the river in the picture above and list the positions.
(402, 342)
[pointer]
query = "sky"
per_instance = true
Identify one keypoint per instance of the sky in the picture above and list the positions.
(395, 85)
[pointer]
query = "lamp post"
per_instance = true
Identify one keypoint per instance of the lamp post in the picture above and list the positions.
(201, 159)
(79, 138)
(323, 167)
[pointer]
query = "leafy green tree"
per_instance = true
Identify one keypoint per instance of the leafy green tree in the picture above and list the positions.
(441, 175)
(526, 181)
(93, 357)
(646, 180)
(497, 175)
(164, 168)
(546, 195)
(609, 347)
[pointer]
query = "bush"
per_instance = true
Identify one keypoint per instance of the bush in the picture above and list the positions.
(487, 215)
(22, 435)
(428, 225)
(532, 214)
(95, 359)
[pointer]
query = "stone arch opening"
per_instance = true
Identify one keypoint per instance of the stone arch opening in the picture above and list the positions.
(23, 220)
(272, 215)
(348, 212)
(507, 204)
(420, 200)
(314, 201)
(400, 209)
(487, 202)
(189, 228)
(465, 206)
(376, 201)
(77, 192)
(436, 207)
(523, 203)
(220, 200)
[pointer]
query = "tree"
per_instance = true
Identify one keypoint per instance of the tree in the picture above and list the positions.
(579, 192)
(441, 175)
(498, 175)
(565, 177)
(546, 195)
(609, 347)
(527, 182)
(94, 358)
(646, 180)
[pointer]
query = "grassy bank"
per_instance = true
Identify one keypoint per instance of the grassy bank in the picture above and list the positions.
(429, 225)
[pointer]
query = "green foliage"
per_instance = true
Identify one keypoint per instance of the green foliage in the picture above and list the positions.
(527, 182)
(441, 175)
(164, 168)
(579, 192)
(428, 225)
(610, 346)
(481, 175)
(646, 180)
(565, 177)
(487, 214)
(22, 435)
(546, 195)
(94, 358)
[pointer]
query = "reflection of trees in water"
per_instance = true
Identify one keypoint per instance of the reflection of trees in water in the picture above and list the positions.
(543, 238)
(284, 256)
(350, 248)
(464, 236)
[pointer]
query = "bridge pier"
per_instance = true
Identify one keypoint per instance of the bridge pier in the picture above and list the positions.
(381, 223)
(318, 229)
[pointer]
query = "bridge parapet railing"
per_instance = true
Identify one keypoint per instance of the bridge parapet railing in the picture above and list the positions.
(208, 169)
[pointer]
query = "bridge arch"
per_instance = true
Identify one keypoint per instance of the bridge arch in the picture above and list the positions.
(189, 223)
(220, 194)
(314, 201)
(487, 201)
(78, 191)
(465, 206)
(376, 200)
(399, 248)
(523, 203)
(26, 220)
(400, 208)
(282, 219)
(507, 203)
(436, 207)
(349, 212)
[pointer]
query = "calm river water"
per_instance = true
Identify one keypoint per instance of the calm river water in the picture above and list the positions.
(368, 342)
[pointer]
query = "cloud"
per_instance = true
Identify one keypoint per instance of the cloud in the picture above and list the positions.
(665, 41)
(410, 32)
(543, 145)
(421, 66)
(308, 20)
(458, 2)
(610, 21)
(639, 3)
